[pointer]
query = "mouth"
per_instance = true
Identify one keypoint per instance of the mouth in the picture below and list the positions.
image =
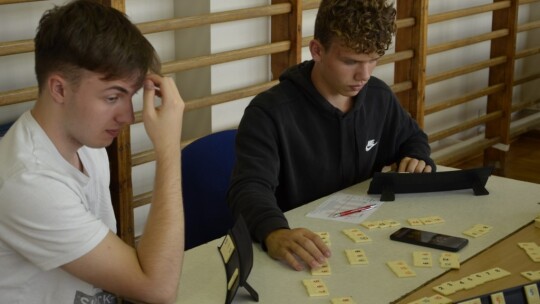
(356, 87)
(114, 133)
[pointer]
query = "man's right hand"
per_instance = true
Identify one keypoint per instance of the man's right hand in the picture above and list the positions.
(290, 245)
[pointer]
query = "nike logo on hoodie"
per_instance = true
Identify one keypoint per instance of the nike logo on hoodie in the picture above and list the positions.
(370, 144)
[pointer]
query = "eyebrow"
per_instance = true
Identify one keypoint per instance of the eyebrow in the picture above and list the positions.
(349, 56)
(353, 59)
(118, 88)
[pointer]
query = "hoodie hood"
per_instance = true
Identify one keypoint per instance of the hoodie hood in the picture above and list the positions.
(300, 76)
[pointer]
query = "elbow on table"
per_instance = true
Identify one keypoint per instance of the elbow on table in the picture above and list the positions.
(159, 295)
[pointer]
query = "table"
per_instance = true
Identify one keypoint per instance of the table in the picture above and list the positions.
(504, 254)
(510, 206)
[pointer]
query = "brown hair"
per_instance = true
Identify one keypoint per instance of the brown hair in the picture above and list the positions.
(87, 35)
(365, 26)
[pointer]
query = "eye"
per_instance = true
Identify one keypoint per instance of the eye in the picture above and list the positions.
(349, 62)
(112, 99)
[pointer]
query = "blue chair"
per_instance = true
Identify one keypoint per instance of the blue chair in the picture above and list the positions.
(207, 164)
(4, 128)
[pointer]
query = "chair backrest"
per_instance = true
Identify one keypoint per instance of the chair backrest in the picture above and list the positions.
(4, 128)
(207, 164)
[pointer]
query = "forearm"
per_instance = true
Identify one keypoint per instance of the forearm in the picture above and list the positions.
(161, 247)
(256, 174)
(258, 207)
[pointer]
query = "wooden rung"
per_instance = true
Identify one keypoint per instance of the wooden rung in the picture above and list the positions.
(528, 26)
(18, 96)
(518, 106)
(142, 199)
(463, 149)
(17, 1)
(306, 40)
(467, 69)
(202, 61)
(522, 2)
(401, 87)
(527, 52)
(446, 104)
(525, 124)
(142, 157)
(526, 79)
(395, 57)
(467, 12)
(229, 96)
(16, 47)
(213, 18)
(442, 47)
(405, 22)
(464, 126)
(149, 155)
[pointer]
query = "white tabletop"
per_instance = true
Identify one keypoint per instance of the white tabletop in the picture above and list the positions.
(510, 205)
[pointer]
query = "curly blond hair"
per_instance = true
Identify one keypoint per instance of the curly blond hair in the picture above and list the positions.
(365, 26)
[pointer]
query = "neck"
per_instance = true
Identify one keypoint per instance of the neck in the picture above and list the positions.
(340, 102)
(50, 120)
(344, 104)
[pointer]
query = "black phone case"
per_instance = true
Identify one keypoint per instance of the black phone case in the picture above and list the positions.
(443, 241)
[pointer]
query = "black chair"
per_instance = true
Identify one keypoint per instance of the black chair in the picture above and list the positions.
(207, 164)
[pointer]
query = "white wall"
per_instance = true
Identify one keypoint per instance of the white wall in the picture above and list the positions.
(229, 76)
(18, 70)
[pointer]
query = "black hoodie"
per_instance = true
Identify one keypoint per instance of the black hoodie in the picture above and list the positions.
(293, 146)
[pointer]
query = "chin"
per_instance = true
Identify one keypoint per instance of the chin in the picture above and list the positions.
(99, 145)
(350, 93)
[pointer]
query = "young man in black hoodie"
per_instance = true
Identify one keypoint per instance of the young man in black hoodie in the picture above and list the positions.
(327, 125)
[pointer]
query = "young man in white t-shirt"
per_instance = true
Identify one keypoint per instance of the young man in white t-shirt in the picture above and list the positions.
(57, 226)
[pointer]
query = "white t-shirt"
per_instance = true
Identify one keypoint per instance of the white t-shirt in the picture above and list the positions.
(50, 214)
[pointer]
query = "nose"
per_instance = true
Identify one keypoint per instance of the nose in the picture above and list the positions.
(363, 72)
(125, 114)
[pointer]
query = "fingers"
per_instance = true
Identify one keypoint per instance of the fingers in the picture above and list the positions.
(297, 247)
(308, 252)
(164, 113)
(149, 93)
(291, 260)
(413, 165)
(163, 87)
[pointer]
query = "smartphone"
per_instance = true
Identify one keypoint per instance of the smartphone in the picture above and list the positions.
(429, 239)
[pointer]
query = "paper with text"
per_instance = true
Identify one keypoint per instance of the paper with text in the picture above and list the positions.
(340, 202)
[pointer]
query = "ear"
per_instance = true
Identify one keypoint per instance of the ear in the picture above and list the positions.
(57, 86)
(316, 49)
